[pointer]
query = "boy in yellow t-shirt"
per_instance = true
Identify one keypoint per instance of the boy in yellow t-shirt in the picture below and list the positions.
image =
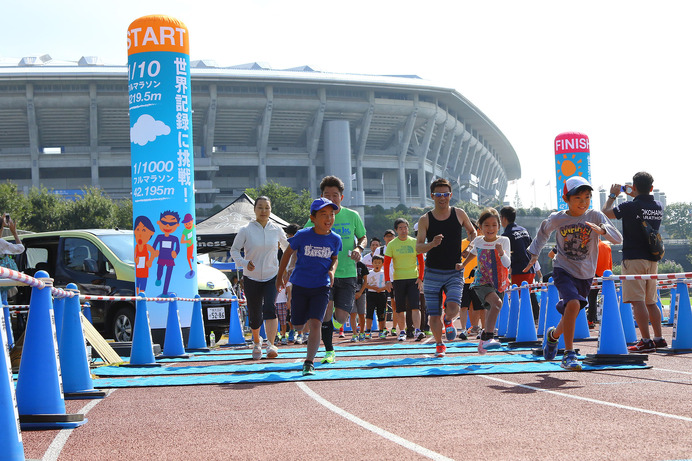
(408, 277)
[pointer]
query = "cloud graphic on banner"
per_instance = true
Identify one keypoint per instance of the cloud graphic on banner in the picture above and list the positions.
(146, 129)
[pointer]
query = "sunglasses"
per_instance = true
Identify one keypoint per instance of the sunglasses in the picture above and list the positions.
(441, 194)
(169, 223)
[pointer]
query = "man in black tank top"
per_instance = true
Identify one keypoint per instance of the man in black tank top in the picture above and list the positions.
(439, 235)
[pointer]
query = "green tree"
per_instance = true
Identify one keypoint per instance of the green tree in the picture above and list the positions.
(669, 267)
(47, 211)
(93, 210)
(123, 214)
(677, 219)
(286, 204)
(13, 202)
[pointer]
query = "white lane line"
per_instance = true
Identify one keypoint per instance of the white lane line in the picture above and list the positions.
(587, 399)
(60, 440)
(673, 371)
(371, 427)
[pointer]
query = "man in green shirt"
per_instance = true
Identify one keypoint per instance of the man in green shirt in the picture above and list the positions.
(349, 226)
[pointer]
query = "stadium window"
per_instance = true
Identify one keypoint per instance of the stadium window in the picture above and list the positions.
(52, 150)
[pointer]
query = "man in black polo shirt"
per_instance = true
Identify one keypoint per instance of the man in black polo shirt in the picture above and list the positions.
(636, 258)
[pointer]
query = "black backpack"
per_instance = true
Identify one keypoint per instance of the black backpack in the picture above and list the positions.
(653, 239)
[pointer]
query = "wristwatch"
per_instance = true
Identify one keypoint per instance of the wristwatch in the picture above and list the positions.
(613, 196)
(360, 248)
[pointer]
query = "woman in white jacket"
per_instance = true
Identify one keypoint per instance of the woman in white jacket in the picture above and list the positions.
(260, 239)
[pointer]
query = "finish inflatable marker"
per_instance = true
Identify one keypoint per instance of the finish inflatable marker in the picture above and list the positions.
(572, 158)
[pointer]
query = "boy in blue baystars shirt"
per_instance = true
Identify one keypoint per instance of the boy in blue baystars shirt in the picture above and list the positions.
(317, 252)
(578, 229)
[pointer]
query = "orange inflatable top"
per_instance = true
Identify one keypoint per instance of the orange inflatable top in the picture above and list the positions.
(157, 33)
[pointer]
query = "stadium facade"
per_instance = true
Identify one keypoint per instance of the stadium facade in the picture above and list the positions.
(65, 125)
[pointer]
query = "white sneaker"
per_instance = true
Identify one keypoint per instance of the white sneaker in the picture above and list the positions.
(299, 339)
(272, 351)
(402, 335)
(257, 351)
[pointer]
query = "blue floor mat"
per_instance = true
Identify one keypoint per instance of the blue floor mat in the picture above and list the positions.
(255, 367)
(358, 373)
(340, 352)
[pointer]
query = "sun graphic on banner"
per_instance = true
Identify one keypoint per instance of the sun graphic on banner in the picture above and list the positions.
(568, 167)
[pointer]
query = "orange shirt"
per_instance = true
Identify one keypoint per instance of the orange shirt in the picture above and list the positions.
(605, 258)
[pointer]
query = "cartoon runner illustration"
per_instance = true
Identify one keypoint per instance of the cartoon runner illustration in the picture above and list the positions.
(144, 253)
(186, 239)
(168, 247)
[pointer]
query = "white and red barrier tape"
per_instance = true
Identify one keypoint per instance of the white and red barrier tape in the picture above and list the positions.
(60, 293)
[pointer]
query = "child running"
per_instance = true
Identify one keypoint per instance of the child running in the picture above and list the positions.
(492, 276)
(313, 276)
(377, 296)
(574, 266)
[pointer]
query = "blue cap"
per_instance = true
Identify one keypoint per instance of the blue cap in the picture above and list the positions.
(320, 203)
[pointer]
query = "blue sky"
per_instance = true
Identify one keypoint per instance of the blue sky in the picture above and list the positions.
(618, 71)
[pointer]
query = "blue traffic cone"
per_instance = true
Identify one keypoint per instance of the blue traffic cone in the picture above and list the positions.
(86, 310)
(142, 352)
(11, 446)
(74, 363)
(658, 303)
(58, 314)
(628, 323)
(513, 321)
(682, 329)
(503, 318)
(552, 316)
(197, 339)
(526, 328)
(612, 347)
(542, 311)
(173, 341)
(262, 332)
(673, 304)
(40, 400)
(581, 326)
(235, 330)
(374, 326)
(8, 326)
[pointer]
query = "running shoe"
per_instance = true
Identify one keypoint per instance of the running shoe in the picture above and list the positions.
(308, 369)
(440, 350)
(420, 336)
(643, 345)
(383, 334)
(484, 345)
(473, 331)
(361, 337)
(462, 335)
(292, 335)
(284, 341)
(402, 335)
(341, 334)
(272, 351)
(393, 332)
(368, 335)
(550, 347)
(570, 361)
(329, 357)
(660, 343)
(299, 339)
(257, 351)
(450, 330)
(354, 338)
(428, 333)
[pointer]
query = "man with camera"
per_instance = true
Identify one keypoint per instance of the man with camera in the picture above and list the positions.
(637, 259)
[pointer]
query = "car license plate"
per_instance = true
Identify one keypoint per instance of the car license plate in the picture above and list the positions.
(216, 313)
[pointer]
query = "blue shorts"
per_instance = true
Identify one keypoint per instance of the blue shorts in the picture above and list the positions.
(308, 303)
(438, 281)
(570, 288)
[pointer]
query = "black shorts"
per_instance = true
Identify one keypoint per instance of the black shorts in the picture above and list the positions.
(468, 296)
